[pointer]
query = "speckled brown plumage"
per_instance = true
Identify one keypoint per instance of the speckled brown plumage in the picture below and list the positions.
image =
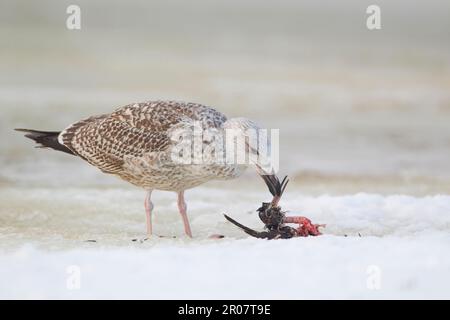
(134, 143)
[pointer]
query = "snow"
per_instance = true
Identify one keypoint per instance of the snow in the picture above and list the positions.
(324, 267)
(402, 251)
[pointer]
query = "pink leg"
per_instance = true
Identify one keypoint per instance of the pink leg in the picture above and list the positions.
(182, 208)
(148, 212)
(306, 227)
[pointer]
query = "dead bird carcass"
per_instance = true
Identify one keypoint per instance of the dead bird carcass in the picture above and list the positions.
(275, 219)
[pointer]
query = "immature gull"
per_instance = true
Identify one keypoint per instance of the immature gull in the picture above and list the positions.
(136, 143)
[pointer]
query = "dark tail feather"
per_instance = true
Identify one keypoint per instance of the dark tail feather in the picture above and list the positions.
(46, 139)
(247, 230)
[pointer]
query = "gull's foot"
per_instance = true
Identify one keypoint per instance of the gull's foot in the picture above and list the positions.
(305, 226)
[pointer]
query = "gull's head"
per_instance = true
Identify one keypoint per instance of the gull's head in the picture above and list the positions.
(242, 125)
(245, 131)
(247, 136)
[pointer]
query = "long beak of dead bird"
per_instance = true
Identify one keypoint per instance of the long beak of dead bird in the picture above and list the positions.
(275, 219)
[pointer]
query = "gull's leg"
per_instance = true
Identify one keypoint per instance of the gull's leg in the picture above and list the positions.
(148, 212)
(182, 208)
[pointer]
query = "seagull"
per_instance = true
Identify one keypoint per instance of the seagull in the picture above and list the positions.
(136, 143)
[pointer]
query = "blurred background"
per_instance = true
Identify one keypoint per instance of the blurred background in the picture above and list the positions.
(358, 110)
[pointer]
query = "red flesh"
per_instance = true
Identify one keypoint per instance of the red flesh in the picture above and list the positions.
(305, 226)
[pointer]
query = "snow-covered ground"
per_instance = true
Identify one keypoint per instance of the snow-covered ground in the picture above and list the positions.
(402, 251)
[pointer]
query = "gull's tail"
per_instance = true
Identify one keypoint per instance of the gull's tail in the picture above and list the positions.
(46, 139)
